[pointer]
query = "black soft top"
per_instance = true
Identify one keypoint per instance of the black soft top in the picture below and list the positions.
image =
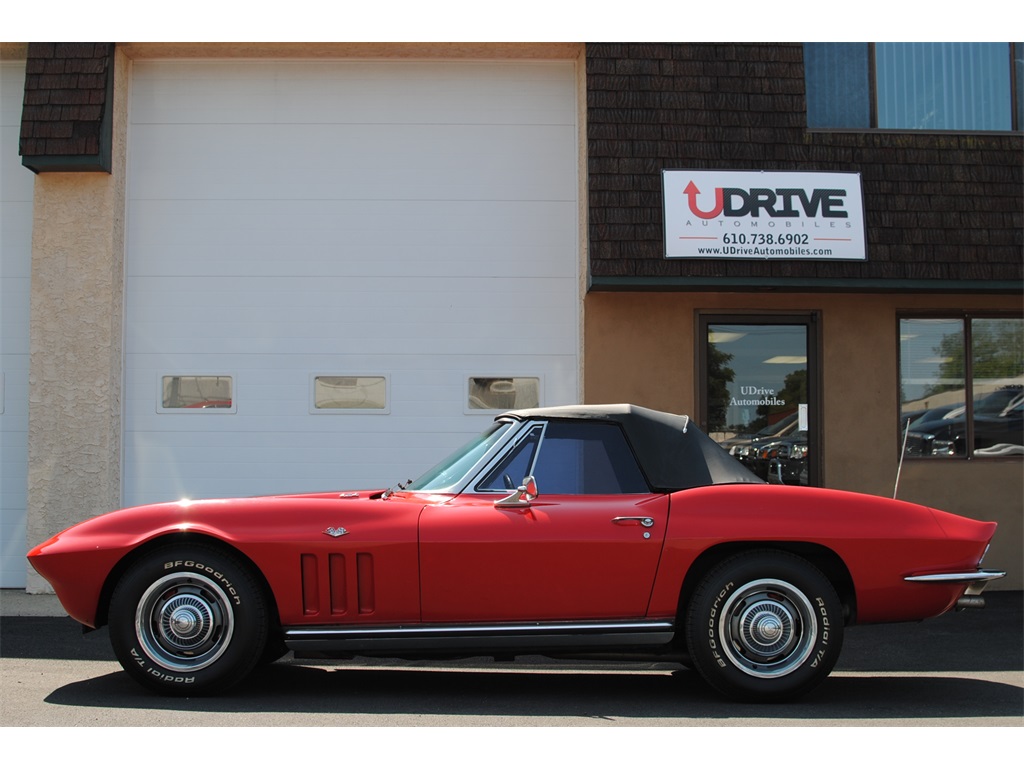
(672, 451)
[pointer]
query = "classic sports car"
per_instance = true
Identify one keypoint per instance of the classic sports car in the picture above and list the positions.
(629, 535)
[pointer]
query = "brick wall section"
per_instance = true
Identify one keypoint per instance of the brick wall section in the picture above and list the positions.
(938, 206)
(64, 123)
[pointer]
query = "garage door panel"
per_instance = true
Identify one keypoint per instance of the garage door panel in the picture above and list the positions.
(534, 339)
(411, 220)
(463, 225)
(16, 188)
(351, 238)
(16, 232)
(291, 292)
(326, 462)
(14, 312)
(367, 162)
(245, 314)
(276, 317)
(384, 91)
(358, 261)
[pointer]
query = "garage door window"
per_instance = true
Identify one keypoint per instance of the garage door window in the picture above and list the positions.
(197, 394)
(350, 394)
(502, 393)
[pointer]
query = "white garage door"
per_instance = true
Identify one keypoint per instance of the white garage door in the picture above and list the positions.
(335, 268)
(16, 184)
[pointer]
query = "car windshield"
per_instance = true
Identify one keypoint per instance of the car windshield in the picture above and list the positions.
(778, 428)
(450, 471)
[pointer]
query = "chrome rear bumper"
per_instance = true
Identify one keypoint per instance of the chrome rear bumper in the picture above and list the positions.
(976, 582)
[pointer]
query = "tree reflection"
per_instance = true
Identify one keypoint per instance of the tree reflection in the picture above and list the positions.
(720, 376)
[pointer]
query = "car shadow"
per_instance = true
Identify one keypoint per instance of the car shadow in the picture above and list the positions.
(294, 688)
(911, 671)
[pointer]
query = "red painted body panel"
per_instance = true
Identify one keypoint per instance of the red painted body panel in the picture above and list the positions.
(276, 533)
(562, 558)
(881, 541)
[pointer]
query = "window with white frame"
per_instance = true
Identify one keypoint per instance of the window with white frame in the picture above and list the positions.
(349, 394)
(196, 393)
(502, 393)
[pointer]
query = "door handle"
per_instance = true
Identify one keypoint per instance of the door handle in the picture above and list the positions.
(646, 522)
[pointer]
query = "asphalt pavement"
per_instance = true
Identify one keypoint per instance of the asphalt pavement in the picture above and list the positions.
(944, 692)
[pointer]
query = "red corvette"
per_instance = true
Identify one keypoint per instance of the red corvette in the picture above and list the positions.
(628, 534)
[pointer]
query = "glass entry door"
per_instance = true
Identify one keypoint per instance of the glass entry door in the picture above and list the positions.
(759, 394)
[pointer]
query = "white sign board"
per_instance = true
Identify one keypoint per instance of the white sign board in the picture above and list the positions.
(763, 215)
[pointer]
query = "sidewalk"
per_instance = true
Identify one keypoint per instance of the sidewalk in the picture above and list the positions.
(17, 602)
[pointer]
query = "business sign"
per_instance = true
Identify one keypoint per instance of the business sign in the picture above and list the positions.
(763, 215)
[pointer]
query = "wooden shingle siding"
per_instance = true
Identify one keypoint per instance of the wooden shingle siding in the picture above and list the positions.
(65, 124)
(940, 207)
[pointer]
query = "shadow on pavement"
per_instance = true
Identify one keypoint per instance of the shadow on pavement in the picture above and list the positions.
(291, 688)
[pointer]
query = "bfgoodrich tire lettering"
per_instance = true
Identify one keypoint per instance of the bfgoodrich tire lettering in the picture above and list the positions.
(188, 620)
(764, 626)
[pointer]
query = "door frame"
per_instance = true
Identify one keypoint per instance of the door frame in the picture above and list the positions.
(811, 321)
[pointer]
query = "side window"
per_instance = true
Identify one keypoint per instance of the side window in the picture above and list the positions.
(587, 458)
(508, 473)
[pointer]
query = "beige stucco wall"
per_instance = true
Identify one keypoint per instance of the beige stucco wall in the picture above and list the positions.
(641, 348)
(76, 311)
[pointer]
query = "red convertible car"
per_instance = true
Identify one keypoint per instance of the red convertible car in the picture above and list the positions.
(611, 532)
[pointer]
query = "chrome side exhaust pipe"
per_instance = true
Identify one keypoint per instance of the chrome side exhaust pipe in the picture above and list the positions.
(970, 601)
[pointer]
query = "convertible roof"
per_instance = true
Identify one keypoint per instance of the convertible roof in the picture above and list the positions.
(673, 452)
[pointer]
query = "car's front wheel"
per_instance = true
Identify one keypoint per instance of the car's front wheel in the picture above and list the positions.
(764, 626)
(188, 620)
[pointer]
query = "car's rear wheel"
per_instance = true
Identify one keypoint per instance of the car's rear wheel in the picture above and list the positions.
(764, 626)
(188, 620)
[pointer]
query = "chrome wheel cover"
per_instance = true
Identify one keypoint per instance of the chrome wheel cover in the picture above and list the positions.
(767, 628)
(184, 621)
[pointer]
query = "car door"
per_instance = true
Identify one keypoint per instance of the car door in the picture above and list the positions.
(587, 547)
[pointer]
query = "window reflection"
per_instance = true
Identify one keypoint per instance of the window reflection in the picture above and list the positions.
(757, 393)
(196, 393)
(943, 86)
(913, 86)
(365, 393)
(502, 393)
(997, 360)
(937, 384)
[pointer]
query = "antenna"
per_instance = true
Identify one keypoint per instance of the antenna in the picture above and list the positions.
(903, 452)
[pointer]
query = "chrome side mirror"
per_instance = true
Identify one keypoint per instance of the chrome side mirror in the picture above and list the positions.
(521, 496)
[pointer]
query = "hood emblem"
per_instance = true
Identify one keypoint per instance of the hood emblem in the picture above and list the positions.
(335, 532)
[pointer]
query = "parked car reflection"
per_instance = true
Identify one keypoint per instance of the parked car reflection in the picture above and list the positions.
(998, 428)
(753, 450)
(787, 460)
